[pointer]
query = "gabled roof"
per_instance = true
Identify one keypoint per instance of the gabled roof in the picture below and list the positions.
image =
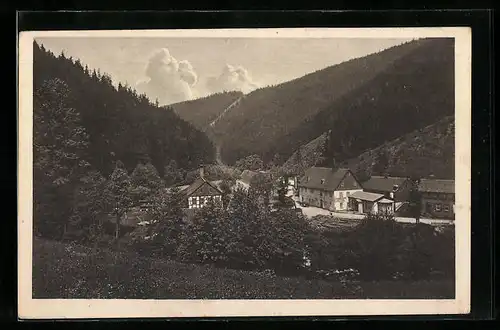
(197, 184)
(381, 183)
(437, 186)
(314, 176)
(367, 196)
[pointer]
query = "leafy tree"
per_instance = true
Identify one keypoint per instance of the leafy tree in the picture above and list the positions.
(59, 147)
(282, 189)
(89, 209)
(145, 181)
(288, 234)
(261, 187)
(381, 163)
(203, 239)
(415, 200)
(166, 220)
(118, 191)
(252, 162)
(226, 188)
(172, 174)
(370, 247)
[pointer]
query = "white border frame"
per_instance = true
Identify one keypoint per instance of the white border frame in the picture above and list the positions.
(94, 308)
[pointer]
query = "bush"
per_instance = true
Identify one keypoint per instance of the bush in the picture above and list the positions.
(246, 235)
(380, 248)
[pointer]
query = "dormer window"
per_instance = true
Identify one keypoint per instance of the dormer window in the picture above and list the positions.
(322, 181)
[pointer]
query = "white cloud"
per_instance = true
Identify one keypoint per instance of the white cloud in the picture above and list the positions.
(232, 79)
(168, 79)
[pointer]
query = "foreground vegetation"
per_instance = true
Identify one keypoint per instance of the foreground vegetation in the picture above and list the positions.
(74, 271)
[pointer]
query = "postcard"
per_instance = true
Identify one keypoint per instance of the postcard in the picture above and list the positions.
(244, 172)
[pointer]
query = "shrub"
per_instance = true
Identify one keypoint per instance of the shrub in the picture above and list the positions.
(380, 248)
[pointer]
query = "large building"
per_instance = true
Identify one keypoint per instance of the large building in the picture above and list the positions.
(328, 188)
(438, 198)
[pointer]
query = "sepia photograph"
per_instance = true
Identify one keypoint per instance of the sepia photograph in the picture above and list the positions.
(244, 172)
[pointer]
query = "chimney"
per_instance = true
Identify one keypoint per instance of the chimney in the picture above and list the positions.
(202, 171)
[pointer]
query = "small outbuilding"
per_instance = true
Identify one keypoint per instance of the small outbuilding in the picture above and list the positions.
(373, 203)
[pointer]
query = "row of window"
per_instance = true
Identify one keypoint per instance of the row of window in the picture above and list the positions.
(341, 184)
(199, 201)
(438, 207)
(341, 194)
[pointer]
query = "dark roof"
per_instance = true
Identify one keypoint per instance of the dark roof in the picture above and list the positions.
(381, 183)
(314, 175)
(437, 186)
(197, 184)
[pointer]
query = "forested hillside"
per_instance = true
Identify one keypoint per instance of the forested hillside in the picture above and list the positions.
(121, 125)
(201, 112)
(88, 136)
(423, 153)
(364, 101)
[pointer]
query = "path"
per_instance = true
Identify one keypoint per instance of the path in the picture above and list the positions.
(311, 211)
(229, 107)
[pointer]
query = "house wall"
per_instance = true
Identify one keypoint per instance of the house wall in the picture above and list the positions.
(200, 201)
(341, 199)
(438, 205)
(332, 200)
(313, 197)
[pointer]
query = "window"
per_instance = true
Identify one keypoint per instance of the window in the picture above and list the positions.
(341, 205)
(428, 207)
(446, 208)
(438, 207)
(322, 181)
(341, 195)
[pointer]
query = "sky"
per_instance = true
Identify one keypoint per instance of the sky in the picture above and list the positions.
(178, 69)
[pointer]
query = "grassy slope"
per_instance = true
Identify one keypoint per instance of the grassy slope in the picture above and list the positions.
(69, 271)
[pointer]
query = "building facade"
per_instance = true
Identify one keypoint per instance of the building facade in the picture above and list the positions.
(200, 192)
(437, 198)
(327, 188)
